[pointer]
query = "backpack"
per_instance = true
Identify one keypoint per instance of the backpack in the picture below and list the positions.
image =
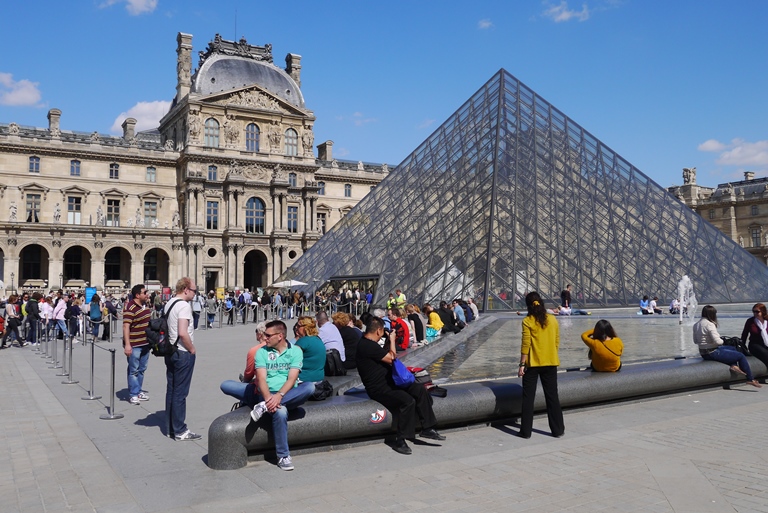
(229, 302)
(68, 313)
(94, 313)
(323, 390)
(333, 364)
(158, 335)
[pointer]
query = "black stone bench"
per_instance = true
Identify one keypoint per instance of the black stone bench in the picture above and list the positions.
(232, 436)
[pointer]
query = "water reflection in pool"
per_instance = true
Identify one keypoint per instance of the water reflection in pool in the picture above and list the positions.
(494, 351)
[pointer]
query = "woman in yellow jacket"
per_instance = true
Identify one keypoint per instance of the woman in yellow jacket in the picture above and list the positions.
(605, 347)
(539, 359)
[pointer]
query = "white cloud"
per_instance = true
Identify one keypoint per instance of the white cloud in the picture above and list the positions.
(484, 24)
(711, 145)
(340, 152)
(561, 12)
(147, 115)
(21, 93)
(426, 123)
(134, 7)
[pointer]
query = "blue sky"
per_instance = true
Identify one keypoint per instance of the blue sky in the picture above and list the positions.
(666, 84)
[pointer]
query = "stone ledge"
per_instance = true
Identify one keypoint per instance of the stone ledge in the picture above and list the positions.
(232, 436)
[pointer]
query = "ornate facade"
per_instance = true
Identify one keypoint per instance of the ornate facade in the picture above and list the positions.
(227, 189)
(738, 209)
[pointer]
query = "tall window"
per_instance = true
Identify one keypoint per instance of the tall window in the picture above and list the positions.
(211, 133)
(292, 179)
(291, 142)
(34, 164)
(212, 215)
(756, 241)
(113, 212)
(151, 174)
(712, 214)
(293, 219)
(755, 210)
(150, 212)
(347, 190)
(322, 221)
(114, 171)
(74, 208)
(213, 173)
(255, 215)
(74, 168)
(321, 188)
(33, 208)
(252, 137)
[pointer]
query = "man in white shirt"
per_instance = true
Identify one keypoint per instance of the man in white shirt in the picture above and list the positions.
(330, 334)
(180, 364)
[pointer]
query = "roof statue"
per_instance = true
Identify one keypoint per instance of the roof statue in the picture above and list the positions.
(510, 195)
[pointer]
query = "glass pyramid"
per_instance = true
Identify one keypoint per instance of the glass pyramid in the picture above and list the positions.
(510, 195)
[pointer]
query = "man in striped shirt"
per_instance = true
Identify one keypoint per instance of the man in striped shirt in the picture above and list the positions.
(136, 317)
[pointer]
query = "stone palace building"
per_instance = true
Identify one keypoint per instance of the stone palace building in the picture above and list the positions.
(738, 209)
(227, 189)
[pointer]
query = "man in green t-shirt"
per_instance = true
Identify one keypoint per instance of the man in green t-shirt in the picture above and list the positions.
(277, 371)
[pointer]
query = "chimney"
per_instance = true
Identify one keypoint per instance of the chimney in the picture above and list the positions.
(54, 119)
(183, 65)
(325, 151)
(749, 175)
(293, 67)
(129, 129)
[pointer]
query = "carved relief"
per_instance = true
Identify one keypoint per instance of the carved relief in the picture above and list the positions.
(12, 241)
(274, 135)
(95, 137)
(55, 133)
(168, 146)
(231, 131)
(56, 243)
(98, 244)
(241, 48)
(138, 245)
(278, 175)
(13, 213)
(254, 100)
(307, 140)
(195, 126)
(255, 172)
(384, 168)
(13, 129)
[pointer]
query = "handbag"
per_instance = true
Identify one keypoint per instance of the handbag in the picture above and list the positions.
(402, 377)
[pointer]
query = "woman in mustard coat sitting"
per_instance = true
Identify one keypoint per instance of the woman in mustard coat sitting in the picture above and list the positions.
(539, 359)
(605, 347)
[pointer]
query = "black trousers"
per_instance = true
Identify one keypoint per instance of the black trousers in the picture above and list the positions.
(759, 351)
(405, 405)
(548, 377)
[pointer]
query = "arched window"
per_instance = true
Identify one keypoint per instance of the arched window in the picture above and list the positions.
(34, 164)
(292, 179)
(211, 133)
(321, 188)
(347, 190)
(74, 168)
(252, 137)
(291, 142)
(255, 215)
(213, 173)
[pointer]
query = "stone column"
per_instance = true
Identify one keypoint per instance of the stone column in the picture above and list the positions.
(313, 214)
(274, 212)
(137, 264)
(231, 207)
(732, 218)
(283, 210)
(97, 274)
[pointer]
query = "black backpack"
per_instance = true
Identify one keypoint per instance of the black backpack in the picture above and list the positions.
(333, 364)
(158, 334)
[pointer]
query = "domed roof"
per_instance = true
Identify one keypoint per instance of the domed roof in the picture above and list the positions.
(226, 72)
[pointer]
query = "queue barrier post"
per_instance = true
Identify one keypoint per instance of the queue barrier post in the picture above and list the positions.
(112, 415)
(69, 380)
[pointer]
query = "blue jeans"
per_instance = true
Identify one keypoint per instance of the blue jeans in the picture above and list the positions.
(178, 372)
(730, 356)
(211, 318)
(62, 325)
(294, 398)
(137, 364)
(235, 389)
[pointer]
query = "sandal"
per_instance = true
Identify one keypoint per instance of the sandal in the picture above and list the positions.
(754, 383)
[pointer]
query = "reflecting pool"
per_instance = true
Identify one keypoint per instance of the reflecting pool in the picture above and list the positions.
(494, 351)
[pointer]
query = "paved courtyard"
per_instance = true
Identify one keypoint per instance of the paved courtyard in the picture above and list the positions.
(690, 452)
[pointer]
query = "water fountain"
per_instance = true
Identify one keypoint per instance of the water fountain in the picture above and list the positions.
(687, 298)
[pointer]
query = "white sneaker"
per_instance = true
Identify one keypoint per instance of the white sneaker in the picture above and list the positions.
(134, 399)
(187, 435)
(258, 411)
(143, 396)
(285, 463)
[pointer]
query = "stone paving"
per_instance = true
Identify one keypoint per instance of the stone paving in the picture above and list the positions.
(689, 452)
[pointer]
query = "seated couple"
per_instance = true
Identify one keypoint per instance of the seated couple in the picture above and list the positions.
(275, 381)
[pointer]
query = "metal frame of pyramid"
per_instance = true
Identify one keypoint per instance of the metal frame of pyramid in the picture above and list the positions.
(510, 195)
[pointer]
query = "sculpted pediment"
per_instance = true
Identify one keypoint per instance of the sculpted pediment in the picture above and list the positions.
(253, 97)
